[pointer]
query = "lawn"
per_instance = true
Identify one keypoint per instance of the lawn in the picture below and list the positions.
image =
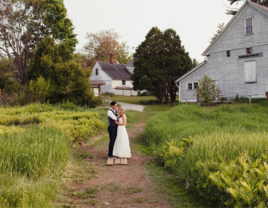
(132, 99)
(218, 154)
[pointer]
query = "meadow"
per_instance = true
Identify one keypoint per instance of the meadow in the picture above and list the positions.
(218, 154)
(36, 150)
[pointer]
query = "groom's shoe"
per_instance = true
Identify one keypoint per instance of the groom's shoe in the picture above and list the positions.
(112, 157)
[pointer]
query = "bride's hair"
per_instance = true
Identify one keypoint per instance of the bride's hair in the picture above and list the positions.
(122, 110)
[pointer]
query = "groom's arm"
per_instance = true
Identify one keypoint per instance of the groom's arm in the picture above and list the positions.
(111, 115)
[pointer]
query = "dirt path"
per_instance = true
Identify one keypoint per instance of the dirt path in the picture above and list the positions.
(118, 186)
(128, 106)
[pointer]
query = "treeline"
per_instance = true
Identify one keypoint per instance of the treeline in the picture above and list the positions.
(38, 61)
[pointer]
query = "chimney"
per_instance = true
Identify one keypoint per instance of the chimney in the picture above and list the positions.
(111, 58)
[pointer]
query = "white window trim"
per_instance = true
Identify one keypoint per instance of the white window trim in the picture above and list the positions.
(245, 72)
(245, 23)
(192, 85)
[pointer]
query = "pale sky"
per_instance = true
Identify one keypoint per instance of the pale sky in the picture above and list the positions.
(195, 21)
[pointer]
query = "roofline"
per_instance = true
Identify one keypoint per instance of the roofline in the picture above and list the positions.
(192, 71)
(258, 8)
(205, 53)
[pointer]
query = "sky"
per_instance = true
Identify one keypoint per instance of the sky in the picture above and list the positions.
(195, 21)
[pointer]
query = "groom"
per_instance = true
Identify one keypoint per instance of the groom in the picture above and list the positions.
(112, 127)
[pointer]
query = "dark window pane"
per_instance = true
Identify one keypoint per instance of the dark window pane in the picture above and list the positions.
(190, 86)
(195, 85)
(123, 82)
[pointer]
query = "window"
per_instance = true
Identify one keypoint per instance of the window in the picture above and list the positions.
(250, 72)
(249, 25)
(228, 53)
(123, 82)
(249, 50)
(190, 86)
(97, 72)
(195, 85)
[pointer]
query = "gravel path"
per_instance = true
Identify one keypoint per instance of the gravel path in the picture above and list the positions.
(128, 106)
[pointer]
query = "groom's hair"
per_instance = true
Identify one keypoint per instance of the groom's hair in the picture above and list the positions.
(113, 103)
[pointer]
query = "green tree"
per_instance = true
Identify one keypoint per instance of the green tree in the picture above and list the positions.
(24, 23)
(68, 79)
(233, 12)
(8, 80)
(218, 31)
(160, 60)
(207, 90)
(39, 90)
(195, 63)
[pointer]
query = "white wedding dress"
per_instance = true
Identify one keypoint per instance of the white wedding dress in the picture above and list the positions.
(121, 145)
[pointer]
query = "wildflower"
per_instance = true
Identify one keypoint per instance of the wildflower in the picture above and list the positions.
(5, 200)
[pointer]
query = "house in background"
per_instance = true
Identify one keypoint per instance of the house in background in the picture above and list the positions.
(237, 59)
(113, 78)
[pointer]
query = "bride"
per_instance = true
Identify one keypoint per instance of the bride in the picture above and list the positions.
(121, 146)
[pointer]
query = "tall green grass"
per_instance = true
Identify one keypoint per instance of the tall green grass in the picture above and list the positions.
(196, 142)
(38, 152)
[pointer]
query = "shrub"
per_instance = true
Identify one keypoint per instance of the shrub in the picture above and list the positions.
(207, 90)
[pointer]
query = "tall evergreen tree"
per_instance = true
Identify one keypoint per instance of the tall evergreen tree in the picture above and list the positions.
(159, 61)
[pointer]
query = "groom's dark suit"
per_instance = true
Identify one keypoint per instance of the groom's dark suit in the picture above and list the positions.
(112, 129)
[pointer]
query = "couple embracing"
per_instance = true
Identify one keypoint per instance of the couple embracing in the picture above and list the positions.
(119, 141)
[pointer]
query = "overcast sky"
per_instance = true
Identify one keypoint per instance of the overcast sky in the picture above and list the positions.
(194, 20)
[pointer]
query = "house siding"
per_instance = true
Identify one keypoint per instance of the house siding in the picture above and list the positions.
(229, 71)
(111, 84)
(102, 76)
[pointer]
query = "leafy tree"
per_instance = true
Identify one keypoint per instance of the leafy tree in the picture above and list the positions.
(24, 23)
(195, 63)
(68, 79)
(207, 90)
(38, 90)
(8, 80)
(220, 28)
(233, 12)
(160, 60)
(100, 45)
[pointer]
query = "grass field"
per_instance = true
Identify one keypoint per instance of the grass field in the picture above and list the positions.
(218, 154)
(36, 151)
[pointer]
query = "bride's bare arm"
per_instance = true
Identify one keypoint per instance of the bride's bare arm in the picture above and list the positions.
(124, 121)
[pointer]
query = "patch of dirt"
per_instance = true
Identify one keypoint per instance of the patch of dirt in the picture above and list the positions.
(117, 185)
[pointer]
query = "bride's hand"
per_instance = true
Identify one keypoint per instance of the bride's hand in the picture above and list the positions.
(116, 122)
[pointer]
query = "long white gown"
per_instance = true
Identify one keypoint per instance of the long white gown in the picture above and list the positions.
(121, 145)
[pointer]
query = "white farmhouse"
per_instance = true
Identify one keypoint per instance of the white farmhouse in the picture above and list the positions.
(237, 59)
(113, 78)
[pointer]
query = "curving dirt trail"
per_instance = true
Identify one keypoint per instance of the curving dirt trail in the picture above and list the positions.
(119, 186)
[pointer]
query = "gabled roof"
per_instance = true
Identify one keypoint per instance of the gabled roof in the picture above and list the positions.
(260, 8)
(192, 71)
(115, 71)
(131, 63)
